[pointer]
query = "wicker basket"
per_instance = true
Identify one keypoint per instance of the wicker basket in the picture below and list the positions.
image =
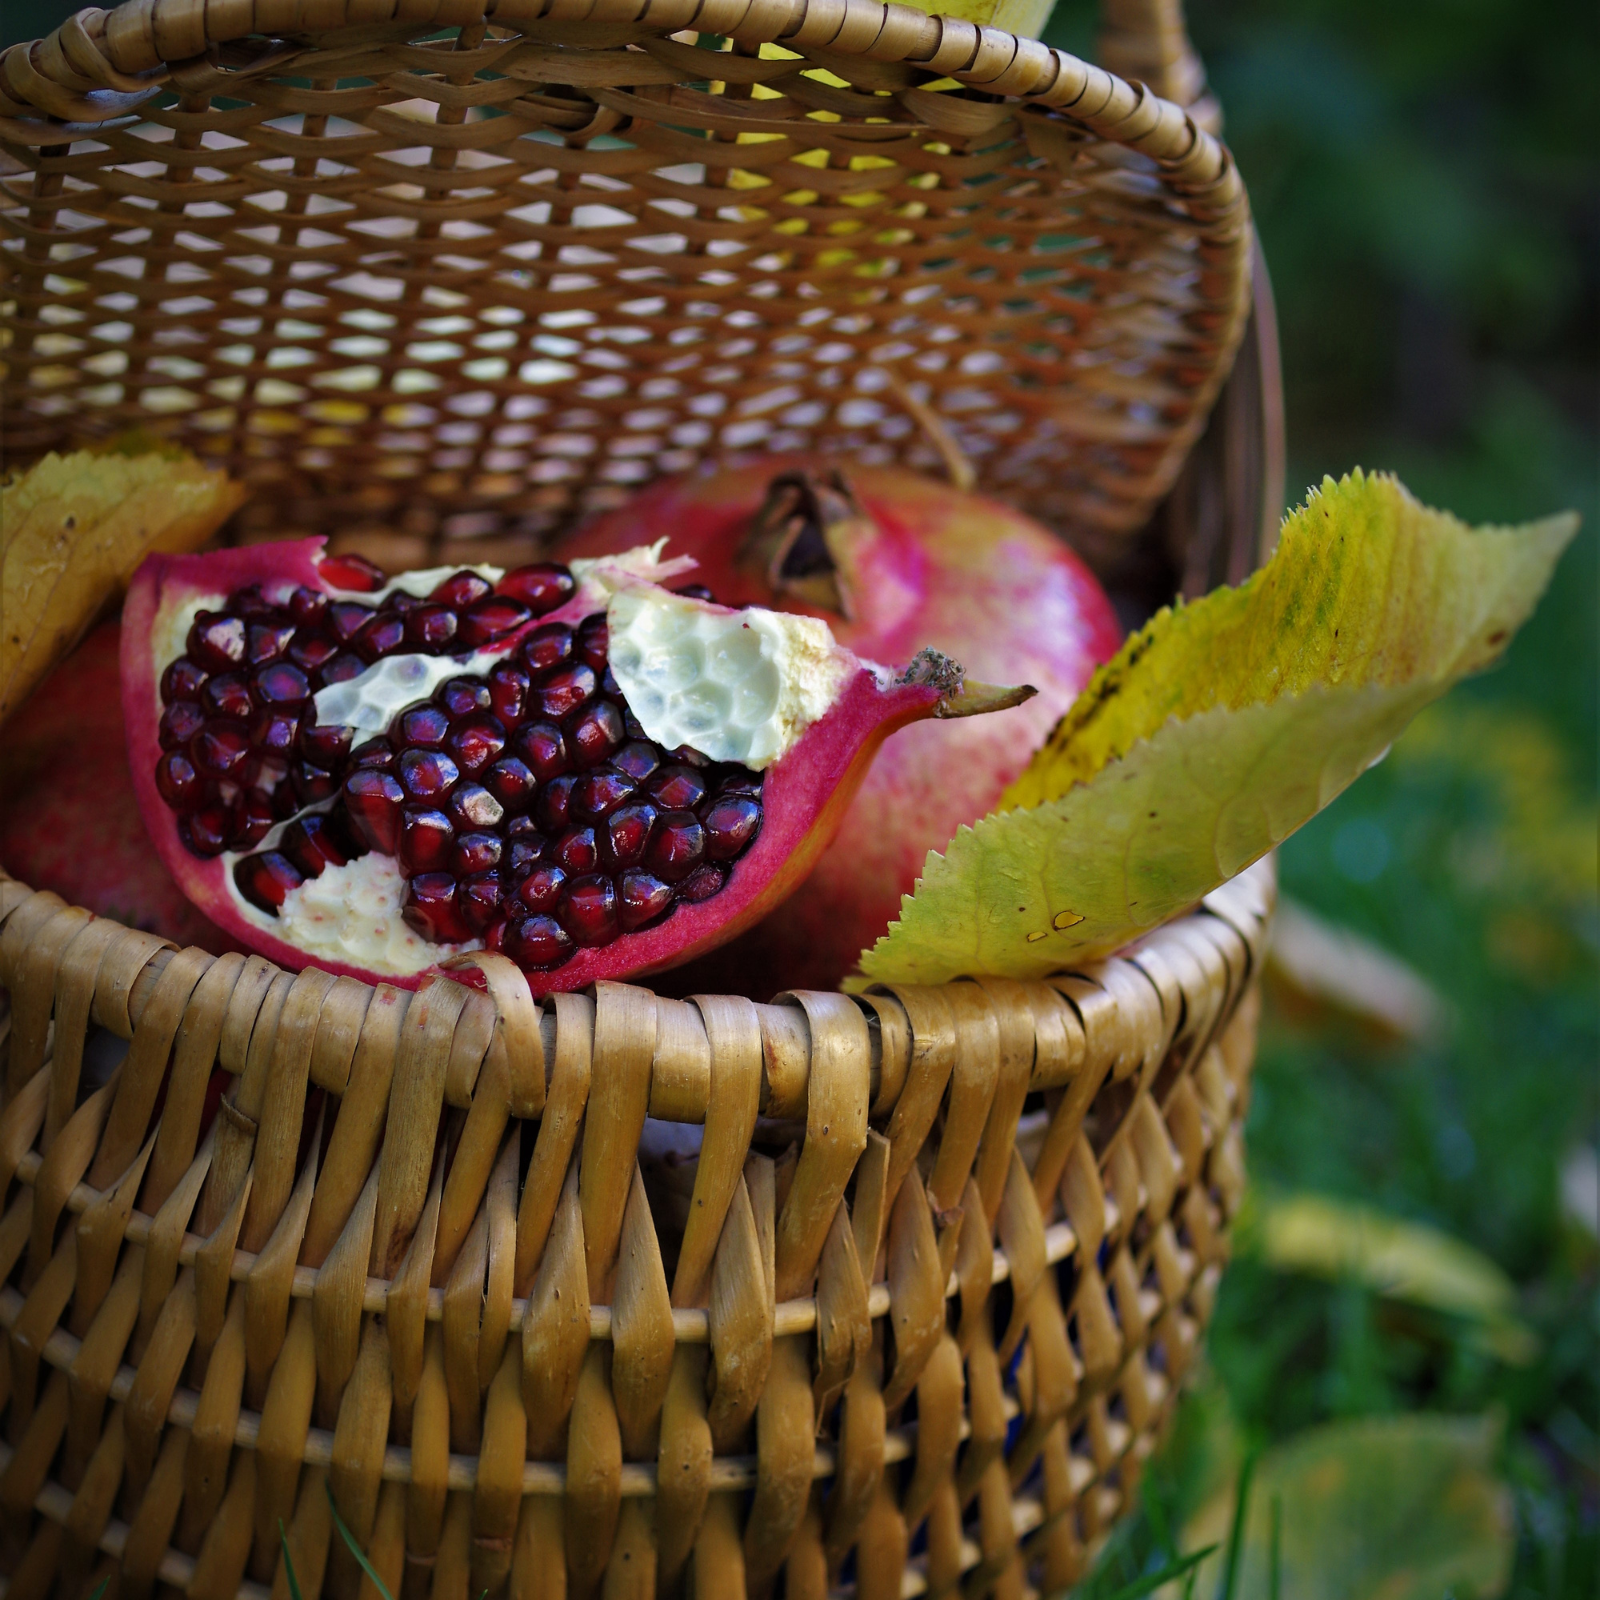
(907, 1309)
(337, 1288)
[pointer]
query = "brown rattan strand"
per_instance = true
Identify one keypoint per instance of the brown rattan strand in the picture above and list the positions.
(446, 295)
(421, 1258)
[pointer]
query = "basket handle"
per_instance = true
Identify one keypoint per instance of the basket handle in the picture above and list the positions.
(1147, 41)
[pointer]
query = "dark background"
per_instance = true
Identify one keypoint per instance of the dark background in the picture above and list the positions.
(1424, 180)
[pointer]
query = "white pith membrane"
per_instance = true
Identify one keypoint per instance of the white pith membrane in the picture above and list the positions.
(734, 685)
(737, 686)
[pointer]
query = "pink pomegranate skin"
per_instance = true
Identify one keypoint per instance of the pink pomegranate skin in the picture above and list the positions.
(993, 588)
(69, 816)
(804, 796)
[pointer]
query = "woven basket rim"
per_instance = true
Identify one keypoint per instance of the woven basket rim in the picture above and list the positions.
(101, 64)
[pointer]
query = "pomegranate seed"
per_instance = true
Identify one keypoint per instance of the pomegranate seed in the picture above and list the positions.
(273, 733)
(182, 680)
(427, 774)
(216, 642)
(180, 722)
(678, 788)
(205, 832)
(310, 651)
(494, 937)
(343, 668)
(677, 846)
(472, 806)
(312, 843)
(475, 852)
(510, 782)
(547, 647)
(634, 727)
(265, 880)
(281, 684)
(740, 781)
(609, 685)
(564, 690)
(251, 823)
(426, 838)
(554, 802)
(424, 727)
(248, 601)
(626, 833)
(597, 794)
(730, 824)
(577, 850)
(475, 743)
(638, 759)
(374, 753)
(430, 909)
(327, 743)
(180, 785)
(430, 627)
(284, 802)
(543, 747)
(541, 889)
(373, 800)
(695, 591)
(508, 693)
(686, 755)
(593, 640)
(461, 589)
(347, 618)
(541, 587)
(537, 942)
(227, 695)
(641, 899)
(589, 910)
(702, 883)
(266, 641)
(311, 783)
(595, 733)
(219, 748)
(526, 853)
(381, 637)
(479, 900)
(492, 619)
(351, 572)
(463, 697)
(306, 606)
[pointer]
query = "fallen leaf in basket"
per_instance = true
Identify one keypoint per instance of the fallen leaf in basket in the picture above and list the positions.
(1219, 729)
(72, 530)
(1404, 1507)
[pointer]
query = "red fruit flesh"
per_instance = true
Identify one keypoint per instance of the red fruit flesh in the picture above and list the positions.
(910, 561)
(522, 803)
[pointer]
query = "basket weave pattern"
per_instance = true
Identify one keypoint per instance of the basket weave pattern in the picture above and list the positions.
(473, 288)
(942, 1258)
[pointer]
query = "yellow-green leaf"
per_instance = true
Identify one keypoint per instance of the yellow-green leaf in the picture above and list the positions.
(1389, 1508)
(1321, 1236)
(1219, 729)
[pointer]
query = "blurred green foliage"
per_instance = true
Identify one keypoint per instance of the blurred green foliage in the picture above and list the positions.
(1423, 178)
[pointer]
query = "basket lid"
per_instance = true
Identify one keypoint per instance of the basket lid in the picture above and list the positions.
(475, 283)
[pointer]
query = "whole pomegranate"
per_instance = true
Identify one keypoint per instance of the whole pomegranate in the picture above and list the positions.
(888, 558)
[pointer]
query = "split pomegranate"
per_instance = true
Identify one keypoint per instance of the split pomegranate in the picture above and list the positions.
(888, 558)
(572, 764)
